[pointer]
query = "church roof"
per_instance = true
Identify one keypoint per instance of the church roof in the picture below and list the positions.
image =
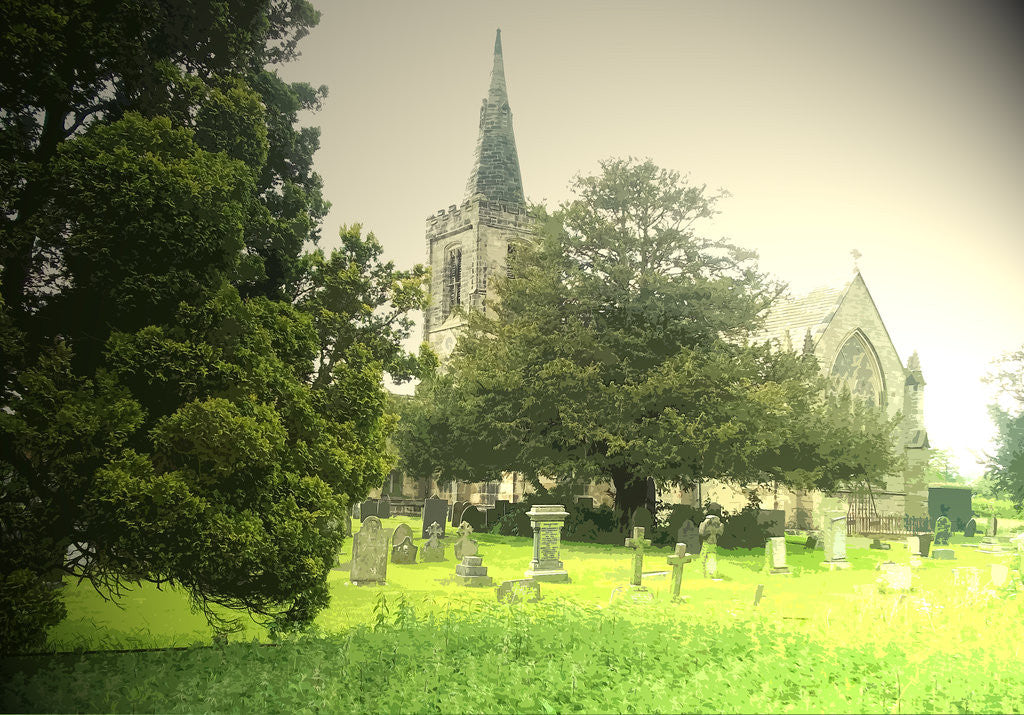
(796, 316)
(495, 172)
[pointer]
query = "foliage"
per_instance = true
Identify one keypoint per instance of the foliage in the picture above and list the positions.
(1006, 463)
(619, 351)
(186, 392)
(942, 467)
(1004, 508)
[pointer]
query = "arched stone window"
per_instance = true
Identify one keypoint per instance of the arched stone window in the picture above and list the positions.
(856, 368)
(452, 285)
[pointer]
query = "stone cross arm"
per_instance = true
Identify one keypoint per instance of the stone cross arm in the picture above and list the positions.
(680, 556)
(434, 529)
(638, 541)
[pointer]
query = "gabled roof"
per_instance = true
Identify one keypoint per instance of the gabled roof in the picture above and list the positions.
(798, 315)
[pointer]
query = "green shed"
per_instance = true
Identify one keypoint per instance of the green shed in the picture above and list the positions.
(953, 500)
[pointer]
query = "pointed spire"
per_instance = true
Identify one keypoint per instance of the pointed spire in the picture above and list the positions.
(914, 363)
(495, 171)
(808, 343)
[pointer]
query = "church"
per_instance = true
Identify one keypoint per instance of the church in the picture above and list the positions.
(842, 326)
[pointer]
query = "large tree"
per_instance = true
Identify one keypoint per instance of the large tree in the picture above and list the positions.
(1005, 463)
(619, 350)
(188, 392)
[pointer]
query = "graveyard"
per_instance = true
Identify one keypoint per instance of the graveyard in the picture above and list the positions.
(764, 634)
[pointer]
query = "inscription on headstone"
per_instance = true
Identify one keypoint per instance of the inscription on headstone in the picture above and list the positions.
(369, 553)
(523, 589)
(404, 552)
(775, 555)
(546, 521)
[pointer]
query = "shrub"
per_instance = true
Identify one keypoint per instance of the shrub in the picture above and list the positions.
(29, 606)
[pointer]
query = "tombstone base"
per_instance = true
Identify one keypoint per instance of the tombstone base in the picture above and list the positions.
(833, 565)
(433, 555)
(464, 570)
(780, 572)
(549, 576)
(369, 583)
(476, 581)
(990, 546)
(944, 554)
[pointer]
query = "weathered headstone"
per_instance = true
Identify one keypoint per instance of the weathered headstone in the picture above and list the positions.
(367, 508)
(897, 576)
(677, 560)
(585, 502)
(384, 507)
(435, 509)
(943, 530)
(710, 529)
(914, 545)
(926, 542)
(1000, 575)
(775, 555)
(644, 519)
(546, 521)
(639, 545)
(475, 517)
(402, 531)
(433, 549)
(993, 525)
(404, 552)
(518, 590)
(457, 509)
(687, 534)
(971, 528)
(834, 533)
(465, 546)
(369, 553)
(472, 572)
(773, 520)
(758, 594)
(877, 544)
(943, 554)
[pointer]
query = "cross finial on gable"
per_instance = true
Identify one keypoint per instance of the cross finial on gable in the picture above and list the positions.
(856, 255)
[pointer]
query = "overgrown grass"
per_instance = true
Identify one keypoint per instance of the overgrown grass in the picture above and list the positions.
(819, 641)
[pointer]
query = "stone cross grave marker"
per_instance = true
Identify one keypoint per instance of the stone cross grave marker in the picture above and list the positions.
(547, 520)
(465, 546)
(369, 553)
(639, 544)
(943, 530)
(710, 529)
(433, 550)
(677, 560)
(775, 555)
(435, 510)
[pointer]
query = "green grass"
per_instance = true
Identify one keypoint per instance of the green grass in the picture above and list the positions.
(819, 641)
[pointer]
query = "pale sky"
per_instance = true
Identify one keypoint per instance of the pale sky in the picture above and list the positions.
(896, 128)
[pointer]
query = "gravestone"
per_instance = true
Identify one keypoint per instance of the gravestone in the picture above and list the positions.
(773, 520)
(475, 517)
(465, 546)
(815, 541)
(384, 507)
(926, 543)
(518, 590)
(709, 530)
(546, 521)
(1000, 575)
(834, 534)
(677, 560)
(687, 534)
(402, 531)
(501, 508)
(433, 549)
(644, 519)
(367, 508)
(943, 530)
(758, 594)
(639, 545)
(971, 529)
(993, 526)
(404, 552)
(943, 554)
(472, 572)
(990, 545)
(775, 555)
(914, 545)
(877, 544)
(585, 502)
(898, 577)
(457, 509)
(369, 553)
(435, 510)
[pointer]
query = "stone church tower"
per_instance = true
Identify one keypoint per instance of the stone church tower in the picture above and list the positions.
(468, 242)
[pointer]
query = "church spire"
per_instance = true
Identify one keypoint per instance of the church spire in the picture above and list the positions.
(495, 171)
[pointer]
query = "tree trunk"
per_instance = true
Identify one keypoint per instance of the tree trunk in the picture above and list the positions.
(630, 494)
